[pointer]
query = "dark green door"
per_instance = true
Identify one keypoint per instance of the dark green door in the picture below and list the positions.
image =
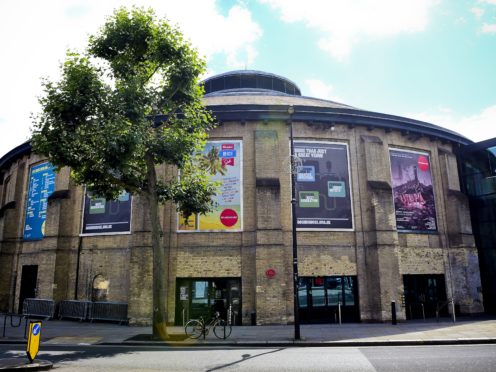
(202, 297)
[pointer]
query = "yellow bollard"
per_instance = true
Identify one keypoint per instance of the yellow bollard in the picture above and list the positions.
(33, 344)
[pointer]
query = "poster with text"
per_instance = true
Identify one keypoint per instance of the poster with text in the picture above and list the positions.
(41, 186)
(323, 193)
(412, 191)
(223, 161)
(102, 216)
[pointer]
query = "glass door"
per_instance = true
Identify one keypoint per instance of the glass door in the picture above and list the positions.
(424, 293)
(321, 297)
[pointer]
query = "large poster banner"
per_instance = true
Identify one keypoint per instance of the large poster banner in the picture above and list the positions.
(102, 216)
(323, 186)
(412, 191)
(41, 186)
(224, 161)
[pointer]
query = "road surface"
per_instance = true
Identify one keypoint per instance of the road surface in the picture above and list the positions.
(473, 358)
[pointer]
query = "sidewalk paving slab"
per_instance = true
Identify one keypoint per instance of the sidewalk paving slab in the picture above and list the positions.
(66, 332)
(70, 333)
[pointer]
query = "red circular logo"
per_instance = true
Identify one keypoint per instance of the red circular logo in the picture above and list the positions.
(423, 163)
(228, 217)
(270, 273)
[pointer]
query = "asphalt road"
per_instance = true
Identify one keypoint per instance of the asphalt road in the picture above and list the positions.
(464, 358)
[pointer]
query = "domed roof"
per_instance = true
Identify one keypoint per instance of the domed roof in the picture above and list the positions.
(255, 95)
(258, 88)
(249, 81)
(260, 96)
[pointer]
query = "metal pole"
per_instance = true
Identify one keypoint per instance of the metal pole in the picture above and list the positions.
(295, 244)
(453, 309)
(78, 262)
(393, 312)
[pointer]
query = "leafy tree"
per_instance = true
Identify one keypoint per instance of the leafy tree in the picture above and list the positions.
(130, 102)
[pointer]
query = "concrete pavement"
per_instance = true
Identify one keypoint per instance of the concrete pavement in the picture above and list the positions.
(64, 332)
(465, 330)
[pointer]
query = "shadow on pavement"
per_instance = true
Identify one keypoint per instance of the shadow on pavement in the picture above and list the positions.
(244, 358)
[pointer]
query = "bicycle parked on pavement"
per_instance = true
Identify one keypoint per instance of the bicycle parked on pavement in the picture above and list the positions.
(195, 328)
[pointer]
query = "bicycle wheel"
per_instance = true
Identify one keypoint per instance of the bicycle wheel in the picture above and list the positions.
(193, 328)
(222, 329)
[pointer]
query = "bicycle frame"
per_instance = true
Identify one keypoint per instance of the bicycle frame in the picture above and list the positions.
(195, 328)
(207, 326)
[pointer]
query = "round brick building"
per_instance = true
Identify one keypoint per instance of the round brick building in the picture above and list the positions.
(379, 217)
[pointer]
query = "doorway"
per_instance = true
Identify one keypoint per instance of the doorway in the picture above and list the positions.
(424, 293)
(204, 296)
(320, 298)
(29, 279)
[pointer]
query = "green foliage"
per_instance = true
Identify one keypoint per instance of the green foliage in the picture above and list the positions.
(193, 191)
(100, 119)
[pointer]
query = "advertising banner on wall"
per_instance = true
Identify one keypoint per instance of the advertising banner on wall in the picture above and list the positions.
(102, 216)
(41, 186)
(412, 191)
(224, 161)
(323, 186)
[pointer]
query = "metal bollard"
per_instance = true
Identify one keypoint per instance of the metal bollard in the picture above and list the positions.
(253, 318)
(339, 311)
(229, 315)
(393, 313)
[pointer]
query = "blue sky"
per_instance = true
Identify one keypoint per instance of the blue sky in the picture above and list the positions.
(432, 60)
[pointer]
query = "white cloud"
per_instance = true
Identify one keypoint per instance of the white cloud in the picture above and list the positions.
(478, 12)
(345, 23)
(238, 45)
(477, 127)
(318, 89)
(489, 28)
(234, 35)
(35, 35)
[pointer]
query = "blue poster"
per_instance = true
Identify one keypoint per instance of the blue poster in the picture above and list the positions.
(41, 186)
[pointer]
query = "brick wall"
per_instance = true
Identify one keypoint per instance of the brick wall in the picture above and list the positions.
(374, 251)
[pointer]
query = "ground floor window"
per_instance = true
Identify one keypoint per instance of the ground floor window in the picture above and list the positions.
(321, 298)
(197, 297)
(424, 294)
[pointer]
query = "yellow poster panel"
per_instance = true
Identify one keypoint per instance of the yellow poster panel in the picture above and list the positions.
(190, 224)
(222, 219)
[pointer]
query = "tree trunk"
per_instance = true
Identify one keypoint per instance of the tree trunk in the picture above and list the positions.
(159, 259)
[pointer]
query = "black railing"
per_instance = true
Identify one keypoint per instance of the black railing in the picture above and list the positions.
(74, 309)
(114, 311)
(37, 307)
(12, 323)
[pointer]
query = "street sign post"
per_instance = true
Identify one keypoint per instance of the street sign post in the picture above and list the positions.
(33, 344)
